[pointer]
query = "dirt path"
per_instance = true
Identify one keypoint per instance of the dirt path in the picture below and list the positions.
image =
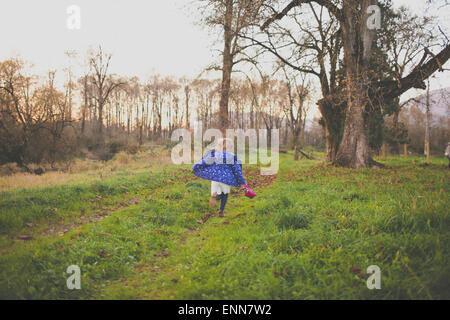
(159, 278)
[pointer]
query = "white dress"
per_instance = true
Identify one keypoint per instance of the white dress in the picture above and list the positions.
(219, 188)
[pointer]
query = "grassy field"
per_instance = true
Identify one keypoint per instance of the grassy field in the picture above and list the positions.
(139, 232)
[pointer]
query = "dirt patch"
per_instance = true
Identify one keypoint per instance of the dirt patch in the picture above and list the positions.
(256, 179)
(93, 217)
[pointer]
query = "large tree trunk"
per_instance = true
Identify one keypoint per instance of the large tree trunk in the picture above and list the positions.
(354, 151)
(100, 118)
(100, 135)
(252, 114)
(85, 106)
(226, 67)
(187, 94)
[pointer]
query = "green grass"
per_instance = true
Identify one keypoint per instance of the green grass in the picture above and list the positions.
(305, 236)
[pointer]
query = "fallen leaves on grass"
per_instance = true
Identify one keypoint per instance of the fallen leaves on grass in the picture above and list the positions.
(357, 270)
(104, 255)
(205, 218)
(159, 231)
(163, 253)
(25, 237)
(195, 234)
(95, 217)
(283, 273)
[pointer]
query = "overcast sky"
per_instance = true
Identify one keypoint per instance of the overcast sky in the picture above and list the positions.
(143, 36)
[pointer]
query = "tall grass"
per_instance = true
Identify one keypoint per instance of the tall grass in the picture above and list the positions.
(309, 235)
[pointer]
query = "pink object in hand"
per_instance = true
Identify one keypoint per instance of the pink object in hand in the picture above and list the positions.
(249, 192)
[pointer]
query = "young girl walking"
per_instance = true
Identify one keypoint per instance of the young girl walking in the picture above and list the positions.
(224, 170)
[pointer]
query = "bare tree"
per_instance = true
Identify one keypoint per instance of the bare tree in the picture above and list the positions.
(310, 44)
(231, 18)
(31, 116)
(295, 109)
(358, 39)
(186, 84)
(103, 83)
(205, 91)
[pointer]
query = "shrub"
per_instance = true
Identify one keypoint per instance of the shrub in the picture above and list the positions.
(10, 169)
(115, 146)
(132, 148)
(122, 158)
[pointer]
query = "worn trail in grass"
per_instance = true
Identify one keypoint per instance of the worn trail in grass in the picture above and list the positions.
(163, 275)
(310, 234)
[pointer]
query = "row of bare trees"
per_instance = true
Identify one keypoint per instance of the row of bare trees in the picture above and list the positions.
(154, 108)
(102, 112)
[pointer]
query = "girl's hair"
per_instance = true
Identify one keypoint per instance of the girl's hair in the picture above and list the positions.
(220, 142)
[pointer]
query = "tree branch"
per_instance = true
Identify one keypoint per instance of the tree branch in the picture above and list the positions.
(393, 89)
(295, 3)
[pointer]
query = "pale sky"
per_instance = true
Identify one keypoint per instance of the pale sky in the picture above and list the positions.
(143, 36)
